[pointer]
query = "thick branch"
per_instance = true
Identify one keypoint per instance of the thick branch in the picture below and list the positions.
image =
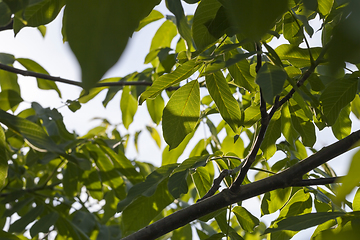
(226, 197)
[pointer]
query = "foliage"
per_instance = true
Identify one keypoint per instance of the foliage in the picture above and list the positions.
(222, 66)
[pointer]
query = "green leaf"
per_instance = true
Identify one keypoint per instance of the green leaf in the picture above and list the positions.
(287, 128)
(92, 182)
(272, 134)
(8, 236)
(4, 156)
(33, 133)
(128, 106)
(148, 187)
(96, 47)
(203, 18)
(299, 203)
(240, 72)
(183, 27)
(152, 17)
(155, 108)
(325, 6)
(355, 106)
(148, 207)
(342, 126)
(43, 12)
(351, 179)
(9, 100)
(20, 224)
(255, 18)
(356, 201)
(181, 114)
(155, 135)
(177, 184)
(71, 180)
(298, 223)
(163, 36)
(298, 57)
(302, 124)
(220, 92)
(291, 30)
(247, 221)
(337, 95)
(44, 224)
(252, 115)
(33, 66)
(271, 80)
(171, 156)
(5, 14)
(202, 181)
(108, 173)
(182, 233)
(181, 73)
(274, 200)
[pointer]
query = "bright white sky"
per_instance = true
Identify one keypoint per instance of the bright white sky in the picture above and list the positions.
(57, 59)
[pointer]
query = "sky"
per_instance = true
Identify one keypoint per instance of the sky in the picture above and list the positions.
(57, 58)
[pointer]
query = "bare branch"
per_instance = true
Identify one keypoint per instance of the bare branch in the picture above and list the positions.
(75, 83)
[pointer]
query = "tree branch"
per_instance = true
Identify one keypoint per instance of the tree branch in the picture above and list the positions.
(75, 83)
(283, 179)
(317, 181)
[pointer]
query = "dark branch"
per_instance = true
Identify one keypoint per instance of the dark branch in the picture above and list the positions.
(318, 181)
(75, 83)
(227, 197)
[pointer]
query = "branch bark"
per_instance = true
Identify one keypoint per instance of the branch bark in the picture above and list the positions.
(287, 178)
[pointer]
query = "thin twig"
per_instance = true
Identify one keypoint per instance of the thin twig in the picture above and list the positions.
(75, 83)
(317, 181)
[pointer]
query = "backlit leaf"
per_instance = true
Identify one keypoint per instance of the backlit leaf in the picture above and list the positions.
(247, 221)
(180, 73)
(33, 66)
(3, 158)
(96, 47)
(298, 57)
(181, 114)
(342, 126)
(220, 92)
(152, 17)
(155, 108)
(337, 95)
(128, 106)
(271, 80)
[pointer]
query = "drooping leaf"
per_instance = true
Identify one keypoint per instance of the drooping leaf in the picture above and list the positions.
(247, 221)
(351, 179)
(220, 92)
(177, 184)
(253, 19)
(172, 156)
(5, 14)
(204, 16)
(44, 224)
(298, 57)
(155, 108)
(337, 95)
(33, 133)
(128, 106)
(148, 207)
(274, 200)
(271, 80)
(155, 135)
(70, 181)
(298, 223)
(108, 173)
(181, 114)
(342, 126)
(152, 17)
(95, 49)
(252, 115)
(181, 73)
(272, 134)
(9, 100)
(42, 12)
(302, 124)
(33, 66)
(148, 187)
(202, 181)
(3, 158)
(19, 225)
(163, 36)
